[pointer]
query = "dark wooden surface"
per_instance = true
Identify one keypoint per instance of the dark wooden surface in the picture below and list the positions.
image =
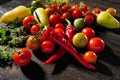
(108, 63)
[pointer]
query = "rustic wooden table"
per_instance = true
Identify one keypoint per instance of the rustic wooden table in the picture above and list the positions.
(108, 63)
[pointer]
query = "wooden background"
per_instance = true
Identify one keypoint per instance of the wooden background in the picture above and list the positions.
(108, 63)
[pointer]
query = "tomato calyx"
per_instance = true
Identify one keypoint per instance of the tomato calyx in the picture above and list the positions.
(19, 52)
(81, 5)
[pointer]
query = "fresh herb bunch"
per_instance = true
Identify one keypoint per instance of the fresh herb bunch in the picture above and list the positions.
(11, 36)
(6, 53)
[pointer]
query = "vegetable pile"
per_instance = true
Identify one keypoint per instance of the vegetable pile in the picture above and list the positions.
(55, 28)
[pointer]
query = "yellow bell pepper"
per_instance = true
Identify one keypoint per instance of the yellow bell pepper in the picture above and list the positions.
(41, 16)
(17, 13)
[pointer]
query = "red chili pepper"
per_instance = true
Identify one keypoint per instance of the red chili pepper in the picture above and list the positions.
(56, 56)
(61, 41)
(69, 33)
(70, 30)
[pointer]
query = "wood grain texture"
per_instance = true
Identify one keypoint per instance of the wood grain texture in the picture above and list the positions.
(108, 64)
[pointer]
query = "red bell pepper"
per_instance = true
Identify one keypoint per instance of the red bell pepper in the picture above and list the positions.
(63, 42)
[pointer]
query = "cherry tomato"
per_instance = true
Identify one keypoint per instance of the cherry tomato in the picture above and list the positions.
(96, 11)
(90, 56)
(89, 20)
(66, 15)
(96, 44)
(42, 38)
(55, 7)
(64, 8)
(47, 46)
(85, 8)
(90, 13)
(49, 11)
(28, 22)
(74, 7)
(35, 29)
(90, 33)
(33, 43)
(22, 57)
(77, 13)
(60, 32)
(112, 11)
(59, 26)
(54, 19)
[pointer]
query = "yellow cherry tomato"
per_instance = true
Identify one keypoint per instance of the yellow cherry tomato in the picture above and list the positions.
(112, 11)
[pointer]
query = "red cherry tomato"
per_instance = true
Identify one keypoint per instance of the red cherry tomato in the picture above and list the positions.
(28, 22)
(54, 19)
(96, 44)
(59, 26)
(77, 13)
(55, 7)
(89, 19)
(85, 8)
(22, 57)
(64, 8)
(96, 11)
(35, 29)
(74, 7)
(47, 46)
(66, 15)
(90, 33)
(60, 32)
(90, 56)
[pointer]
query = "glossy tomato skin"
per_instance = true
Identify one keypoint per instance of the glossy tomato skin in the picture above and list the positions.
(78, 13)
(49, 11)
(47, 46)
(35, 29)
(60, 32)
(55, 7)
(28, 21)
(111, 10)
(89, 20)
(22, 57)
(74, 7)
(66, 15)
(33, 43)
(85, 8)
(96, 11)
(59, 26)
(96, 44)
(54, 19)
(90, 56)
(64, 8)
(89, 32)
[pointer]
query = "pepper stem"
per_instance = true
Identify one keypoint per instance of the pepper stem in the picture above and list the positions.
(69, 23)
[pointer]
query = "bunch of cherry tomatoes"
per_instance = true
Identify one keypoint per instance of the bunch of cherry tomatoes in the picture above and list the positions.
(84, 34)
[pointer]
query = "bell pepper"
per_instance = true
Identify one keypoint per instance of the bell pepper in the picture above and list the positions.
(17, 13)
(41, 17)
